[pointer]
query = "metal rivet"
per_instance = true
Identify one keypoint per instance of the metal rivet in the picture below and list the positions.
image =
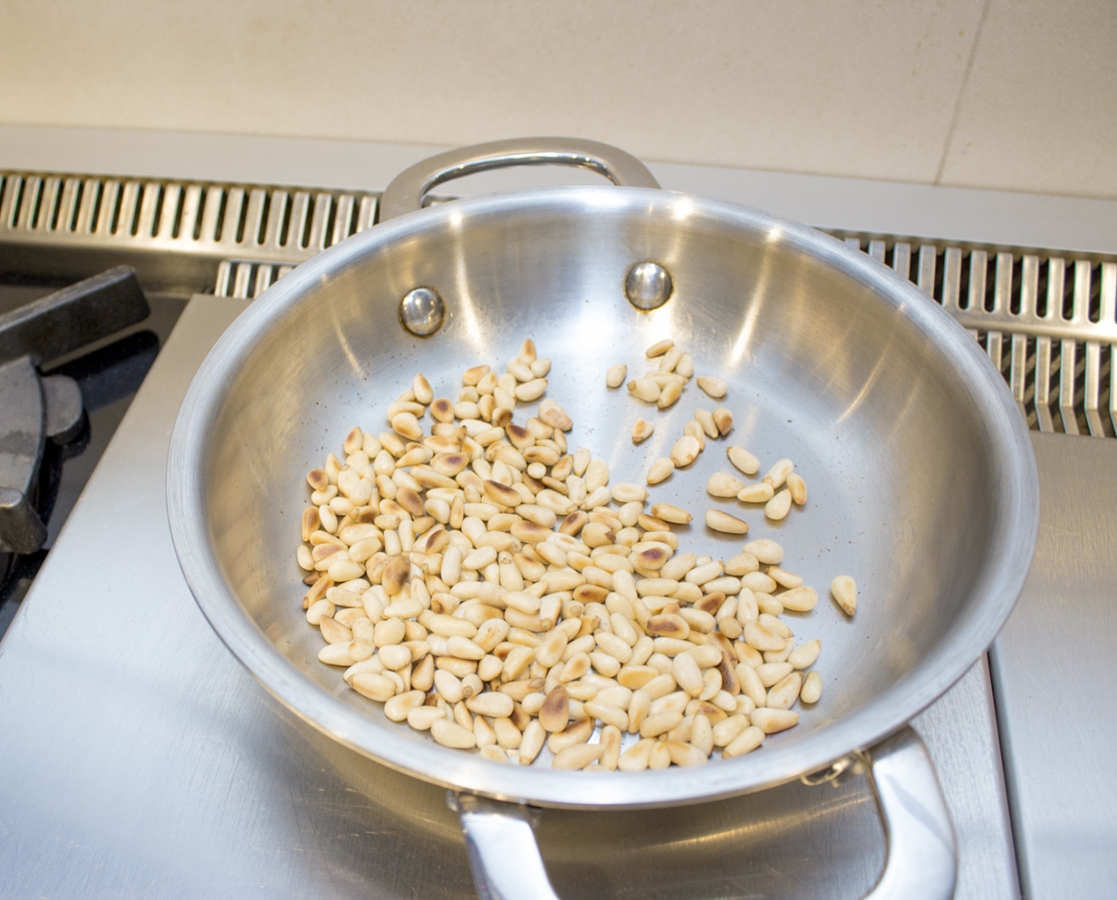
(422, 311)
(648, 285)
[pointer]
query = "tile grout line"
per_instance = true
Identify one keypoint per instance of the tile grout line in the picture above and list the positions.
(961, 93)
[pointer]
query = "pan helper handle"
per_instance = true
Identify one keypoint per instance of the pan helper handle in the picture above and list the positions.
(921, 861)
(502, 850)
(406, 192)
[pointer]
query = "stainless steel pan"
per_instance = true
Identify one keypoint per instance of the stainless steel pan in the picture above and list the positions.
(922, 480)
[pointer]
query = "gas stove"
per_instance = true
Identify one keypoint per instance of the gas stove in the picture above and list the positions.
(141, 759)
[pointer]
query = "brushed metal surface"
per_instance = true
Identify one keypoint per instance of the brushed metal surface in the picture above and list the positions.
(831, 360)
(1052, 670)
(139, 759)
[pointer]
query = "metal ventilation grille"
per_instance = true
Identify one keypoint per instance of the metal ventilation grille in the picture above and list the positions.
(1047, 320)
(173, 232)
(1048, 323)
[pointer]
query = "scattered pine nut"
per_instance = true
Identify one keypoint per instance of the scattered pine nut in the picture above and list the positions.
(614, 378)
(659, 348)
(844, 589)
(725, 523)
(812, 688)
(722, 484)
(685, 451)
(641, 431)
(660, 471)
(778, 507)
(743, 460)
(756, 493)
(723, 419)
(797, 487)
(715, 388)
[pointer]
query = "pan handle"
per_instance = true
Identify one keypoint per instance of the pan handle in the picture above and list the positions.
(921, 861)
(405, 193)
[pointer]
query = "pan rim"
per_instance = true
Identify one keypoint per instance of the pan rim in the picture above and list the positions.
(1017, 490)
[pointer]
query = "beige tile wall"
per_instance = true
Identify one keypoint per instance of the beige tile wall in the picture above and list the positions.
(986, 93)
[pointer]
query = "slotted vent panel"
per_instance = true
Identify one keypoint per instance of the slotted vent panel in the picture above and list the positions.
(277, 224)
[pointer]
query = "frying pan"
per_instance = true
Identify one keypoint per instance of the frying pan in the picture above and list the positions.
(921, 476)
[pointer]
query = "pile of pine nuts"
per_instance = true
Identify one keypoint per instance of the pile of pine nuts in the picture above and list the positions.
(489, 586)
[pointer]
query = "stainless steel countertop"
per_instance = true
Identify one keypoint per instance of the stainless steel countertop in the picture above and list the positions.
(1053, 669)
(138, 759)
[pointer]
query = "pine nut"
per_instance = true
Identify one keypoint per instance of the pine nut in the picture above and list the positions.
(723, 420)
(812, 688)
(685, 451)
(747, 741)
(669, 394)
(844, 590)
(800, 599)
(660, 471)
(778, 507)
(725, 523)
(644, 389)
(614, 378)
(451, 734)
(641, 431)
(713, 387)
(659, 348)
(805, 655)
(577, 756)
(785, 692)
(721, 484)
(756, 493)
(771, 721)
(743, 460)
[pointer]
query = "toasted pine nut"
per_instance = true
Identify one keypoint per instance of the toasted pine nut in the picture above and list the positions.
(797, 487)
(614, 378)
(555, 416)
(644, 389)
(785, 692)
(531, 390)
(685, 754)
(705, 420)
(800, 599)
(451, 734)
(747, 741)
(743, 460)
(577, 756)
(766, 551)
(778, 507)
(812, 688)
(756, 493)
(805, 655)
(635, 758)
(670, 513)
(723, 419)
(714, 387)
(777, 475)
(844, 589)
(670, 394)
(685, 451)
(641, 431)
(660, 471)
(772, 720)
(725, 523)
(722, 484)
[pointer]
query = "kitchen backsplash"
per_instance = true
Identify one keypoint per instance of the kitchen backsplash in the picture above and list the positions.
(974, 93)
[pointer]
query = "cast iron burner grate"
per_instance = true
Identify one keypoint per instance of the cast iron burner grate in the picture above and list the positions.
(43, 421)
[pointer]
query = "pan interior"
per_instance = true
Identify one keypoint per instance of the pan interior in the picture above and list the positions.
(826, 366)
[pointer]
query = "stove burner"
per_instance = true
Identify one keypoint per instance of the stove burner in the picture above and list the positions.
(38, 408)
